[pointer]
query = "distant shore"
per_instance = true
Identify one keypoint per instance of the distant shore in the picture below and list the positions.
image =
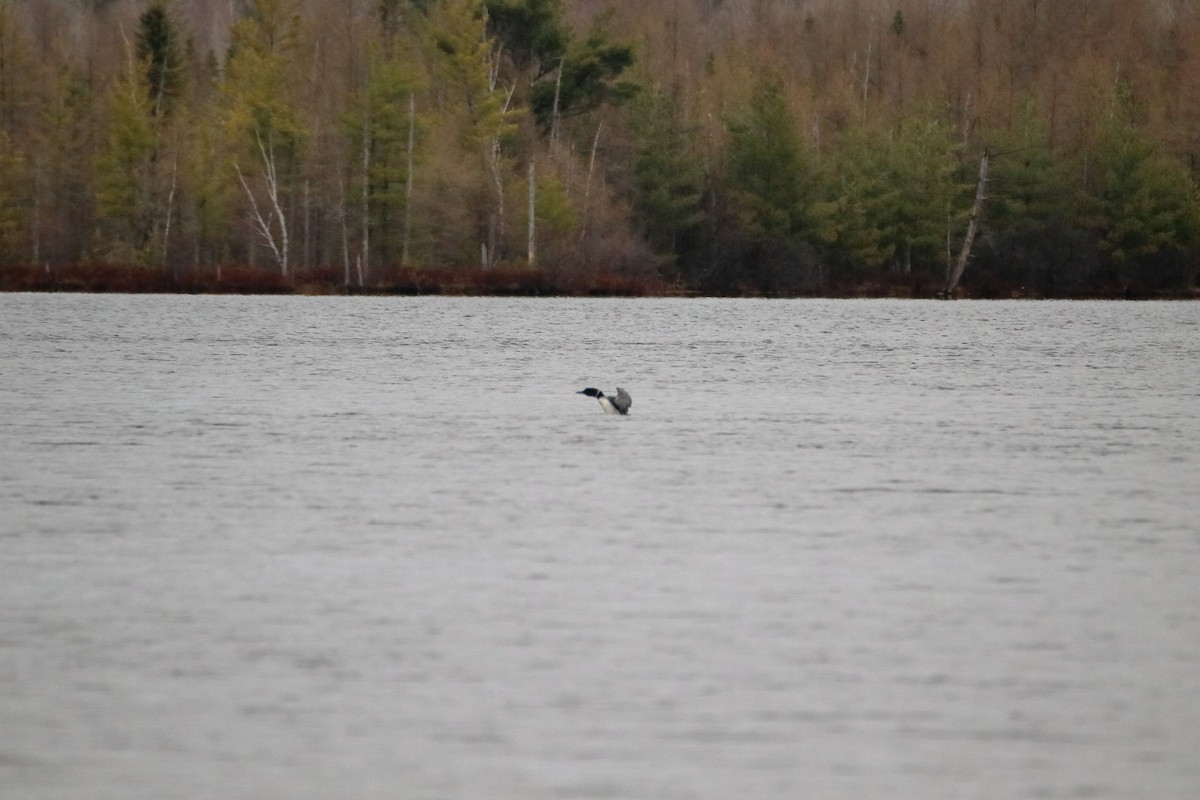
(522, 281)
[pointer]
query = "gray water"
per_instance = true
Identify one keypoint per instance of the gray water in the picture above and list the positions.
(307, 548)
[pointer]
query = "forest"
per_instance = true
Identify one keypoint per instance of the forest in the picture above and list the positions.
(980, 148)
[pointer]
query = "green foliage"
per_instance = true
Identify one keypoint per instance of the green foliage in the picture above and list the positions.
(262, 118)
(930, 192)
(668, 177)
(1147, 204)
(125, 170)
(1033, 210)
(158, 48)
(477, 122)
(463, 61)
(269, 26)
(770, 170)
(316, 120)
(552, 207)
(17, 73)
(892, 195)
(210, 193)
(256, 84)
(532, 32)
(65, 146)
(14, 201)
(1030, 187)
(17, 70)
(864, 193)
(591, 77)
(382, 115)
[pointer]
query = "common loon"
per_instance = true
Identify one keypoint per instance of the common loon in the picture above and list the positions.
(611, 405)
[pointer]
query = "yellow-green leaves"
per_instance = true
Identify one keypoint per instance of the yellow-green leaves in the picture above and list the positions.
(465, 65)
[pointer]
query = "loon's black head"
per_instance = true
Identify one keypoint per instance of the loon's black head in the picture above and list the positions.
(590, 392)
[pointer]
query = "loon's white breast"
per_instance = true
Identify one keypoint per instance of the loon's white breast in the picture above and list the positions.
(618, 404)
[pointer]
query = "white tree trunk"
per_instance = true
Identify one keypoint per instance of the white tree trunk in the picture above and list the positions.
(345, 232)
(365, 257)
(36, 221)
(166, 245)
(554, 112)
(278, 244)
(972, 226)
(532, 215)
(305, 256)
(496, 232)
(261, 225)
(587, 184)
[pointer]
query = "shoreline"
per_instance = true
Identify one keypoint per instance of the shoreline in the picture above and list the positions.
(508, 282)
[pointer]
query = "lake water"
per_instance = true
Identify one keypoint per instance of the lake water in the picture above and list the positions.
(378, 548)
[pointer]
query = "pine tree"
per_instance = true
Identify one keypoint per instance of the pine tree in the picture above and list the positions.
(1148, 211)
(864, 194)
(383, 116)
(1033, 237)
(588, 75)
(127, 171)
(532, 32)
(479, 111)
(668, 179)
(929, 195)
(158, 49)
(769, 167)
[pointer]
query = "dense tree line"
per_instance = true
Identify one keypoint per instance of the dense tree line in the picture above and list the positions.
(771, 146)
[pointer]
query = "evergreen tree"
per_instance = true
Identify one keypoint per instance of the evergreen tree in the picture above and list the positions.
(383, 116)
(1147, 208)
(668, 179)
(930, 196)
(158, 49)
(770, 170)
(210, 196)
(863, 193)
(588, 76)
(480, 118)
(464, 66)
(532, 32)
(127, 172)
(1034, 236)
(63, 152)
(775, 215)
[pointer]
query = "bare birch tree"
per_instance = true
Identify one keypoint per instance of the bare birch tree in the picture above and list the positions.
(972, 226)
(271, 227)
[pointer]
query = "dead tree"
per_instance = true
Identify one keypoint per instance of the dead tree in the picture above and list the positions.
(532, 243)
(972, 226)
(274, 220)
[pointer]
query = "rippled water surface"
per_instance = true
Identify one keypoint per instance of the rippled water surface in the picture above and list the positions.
(314, 548)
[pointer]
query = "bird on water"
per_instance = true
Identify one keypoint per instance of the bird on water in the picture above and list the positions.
(618, 404)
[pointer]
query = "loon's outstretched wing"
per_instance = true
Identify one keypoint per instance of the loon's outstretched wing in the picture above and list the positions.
(622, 401)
